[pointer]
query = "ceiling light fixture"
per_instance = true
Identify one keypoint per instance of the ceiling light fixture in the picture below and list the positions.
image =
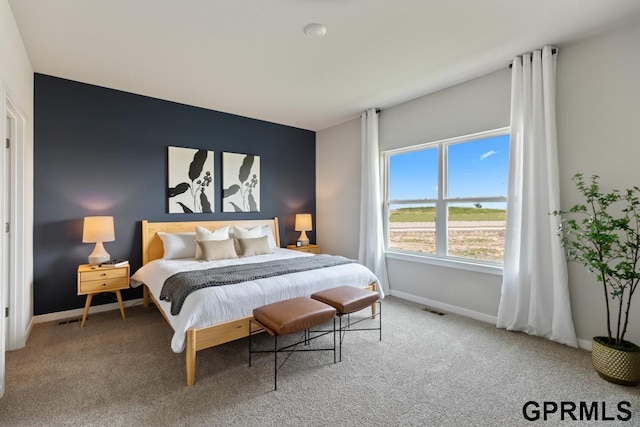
(315, 31)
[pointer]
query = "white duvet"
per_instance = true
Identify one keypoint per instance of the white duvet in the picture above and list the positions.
(206, 307)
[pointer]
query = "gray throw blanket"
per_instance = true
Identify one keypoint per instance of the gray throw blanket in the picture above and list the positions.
(177, 287)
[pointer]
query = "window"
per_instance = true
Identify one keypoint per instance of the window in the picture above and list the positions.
(447, 199)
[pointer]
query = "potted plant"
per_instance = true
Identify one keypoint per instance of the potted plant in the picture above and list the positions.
(603, 234)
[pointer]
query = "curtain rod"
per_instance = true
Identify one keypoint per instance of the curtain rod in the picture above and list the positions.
(553, 52)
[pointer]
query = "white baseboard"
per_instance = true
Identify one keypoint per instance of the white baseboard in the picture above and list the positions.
(446, 307)
(60, 315)
(583, 344)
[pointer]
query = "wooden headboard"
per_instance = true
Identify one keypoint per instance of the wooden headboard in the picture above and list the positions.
(152, 245)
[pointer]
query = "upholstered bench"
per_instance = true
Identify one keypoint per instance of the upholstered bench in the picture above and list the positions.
(289, 317)
(347, 300)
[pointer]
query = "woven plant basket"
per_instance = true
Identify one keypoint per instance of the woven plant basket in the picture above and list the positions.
(616, 366)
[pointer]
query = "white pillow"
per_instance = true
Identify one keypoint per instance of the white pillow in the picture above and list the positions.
(178, 245)
(204, 235)
(213, 250)
(247, 233)
(267, 231)
(252, 233)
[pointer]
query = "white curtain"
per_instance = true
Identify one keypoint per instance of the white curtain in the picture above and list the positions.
(535, 290)
(371, 253)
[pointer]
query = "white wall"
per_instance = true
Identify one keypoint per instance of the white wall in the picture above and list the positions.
(478, 105)
(338, 189)
(16, 80)
(474, 106)
(598, 108)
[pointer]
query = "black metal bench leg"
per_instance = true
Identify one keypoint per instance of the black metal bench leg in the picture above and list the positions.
(380, 318)
(340, 332)
(275, 362)
(249, 342)
(334, 340)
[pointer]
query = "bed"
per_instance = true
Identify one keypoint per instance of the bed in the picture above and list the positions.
(217, 315)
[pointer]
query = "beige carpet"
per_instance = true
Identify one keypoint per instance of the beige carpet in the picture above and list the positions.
(428, 370)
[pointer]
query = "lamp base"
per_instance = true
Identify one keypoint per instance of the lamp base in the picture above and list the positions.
(303, 239)
(99, 255)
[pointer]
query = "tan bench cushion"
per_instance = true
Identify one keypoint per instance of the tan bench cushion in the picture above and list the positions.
(347, 299)
(293, 315)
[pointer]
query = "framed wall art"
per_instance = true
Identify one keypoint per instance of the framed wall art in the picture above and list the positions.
(190, 176)
(240, 183)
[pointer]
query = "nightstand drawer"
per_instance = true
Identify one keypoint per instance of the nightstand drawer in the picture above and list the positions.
(309, 250)
(95, 280)
(103, 274)
(106, 285)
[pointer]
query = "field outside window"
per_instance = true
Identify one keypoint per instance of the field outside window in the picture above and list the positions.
(448, 199)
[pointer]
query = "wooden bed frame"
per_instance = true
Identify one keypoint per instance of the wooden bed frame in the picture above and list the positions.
(220, 333)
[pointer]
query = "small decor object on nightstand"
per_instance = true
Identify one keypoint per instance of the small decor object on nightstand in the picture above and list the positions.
(303, 224)
(93, 279)
(98, 229)
(114, 263)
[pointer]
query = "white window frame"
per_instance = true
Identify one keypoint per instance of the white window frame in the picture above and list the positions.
(441, 257)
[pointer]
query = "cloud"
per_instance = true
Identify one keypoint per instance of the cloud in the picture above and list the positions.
(488, 154)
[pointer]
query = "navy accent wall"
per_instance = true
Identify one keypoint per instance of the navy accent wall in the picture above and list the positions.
(100, 151)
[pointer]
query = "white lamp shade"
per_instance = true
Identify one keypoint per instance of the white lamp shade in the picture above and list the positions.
(303, 222)
(98, 229)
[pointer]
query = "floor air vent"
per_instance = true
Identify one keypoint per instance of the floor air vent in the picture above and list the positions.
(433, 311)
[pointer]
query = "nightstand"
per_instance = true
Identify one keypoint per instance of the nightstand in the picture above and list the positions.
(313, 249)
(96, 280)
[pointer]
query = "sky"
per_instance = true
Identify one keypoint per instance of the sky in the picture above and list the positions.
(476, 169)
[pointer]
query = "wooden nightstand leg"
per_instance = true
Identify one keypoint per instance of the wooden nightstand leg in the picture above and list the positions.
(86, 309)
(120, 302)
(145, 296)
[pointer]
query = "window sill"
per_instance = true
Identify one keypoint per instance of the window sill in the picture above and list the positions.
(460, 264)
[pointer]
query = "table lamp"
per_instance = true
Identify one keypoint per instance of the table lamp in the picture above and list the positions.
(303, 224)
(98, 229)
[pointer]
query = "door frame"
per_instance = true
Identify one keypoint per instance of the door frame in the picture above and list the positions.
(21, 223)
(20, 313)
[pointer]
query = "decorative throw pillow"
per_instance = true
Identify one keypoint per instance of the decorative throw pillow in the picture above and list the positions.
(247, 233)
(244, 233)
(178, 245)
(267, 231)
(217, 249)
(254, 246)
(203, 234)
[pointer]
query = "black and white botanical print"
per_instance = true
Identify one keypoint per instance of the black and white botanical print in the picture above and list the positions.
(241, 183)
(190, 180)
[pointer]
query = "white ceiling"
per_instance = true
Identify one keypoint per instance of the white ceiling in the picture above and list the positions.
(251, 57)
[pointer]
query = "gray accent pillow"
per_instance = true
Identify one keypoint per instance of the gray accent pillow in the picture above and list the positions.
(217, 249)
(254, 246)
